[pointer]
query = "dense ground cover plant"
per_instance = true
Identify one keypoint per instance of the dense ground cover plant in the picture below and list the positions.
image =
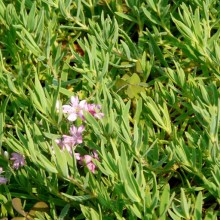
(109, 109)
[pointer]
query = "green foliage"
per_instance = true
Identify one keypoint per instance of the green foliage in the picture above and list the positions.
(153, 66)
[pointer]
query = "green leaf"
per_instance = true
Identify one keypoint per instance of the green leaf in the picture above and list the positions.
(174, 216)
(126, 49)
(78, 198)
(184, 204)
(40, 94)
(61, 161)
(46, 164)
(151, 17)
(29, 41)
(138, 110)
(152, 4)
(156, 49)
(186, 31)
(125, 16)
(31, 18)
(94, 124)
(198, 206)
(64, 211)
(133, 87)
(2, 123)
(164, 201)
(136, 211)
(90, 213)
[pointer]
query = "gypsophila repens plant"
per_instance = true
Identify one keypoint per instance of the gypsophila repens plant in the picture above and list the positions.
(109, 109)
(68, 142)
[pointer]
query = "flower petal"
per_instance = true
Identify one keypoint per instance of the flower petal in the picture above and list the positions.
(91, 166)
(67, 109)
(74, 100)
(3, 180)
(81, 129)
(72, 117)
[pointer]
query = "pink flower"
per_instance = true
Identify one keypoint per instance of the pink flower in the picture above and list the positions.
(87, 160)
(95, 155)
(75, 108)
(94, 110)
(91, 166)
(70, 141)
(77, 156)
(77, 133)
(67, 142)
(18, 159)
(3, 180)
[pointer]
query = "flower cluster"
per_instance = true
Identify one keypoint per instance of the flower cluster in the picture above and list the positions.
(18, 161)
(87, 160)
(76, 108)
(73, 111)
(69, 141)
